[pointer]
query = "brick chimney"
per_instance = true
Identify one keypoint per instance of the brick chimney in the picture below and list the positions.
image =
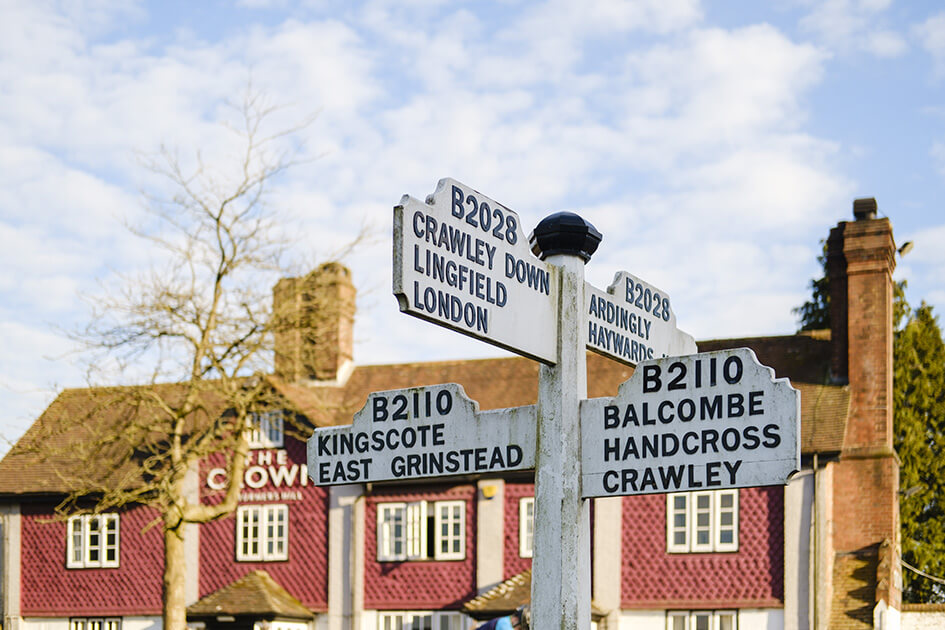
(860, 263)
(314, 325)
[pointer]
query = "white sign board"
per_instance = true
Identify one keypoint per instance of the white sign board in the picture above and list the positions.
(698, 422)
(461, 260)
(422, 432)
(633, 321)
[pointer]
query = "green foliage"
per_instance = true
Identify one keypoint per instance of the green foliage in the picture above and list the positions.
(919, 403)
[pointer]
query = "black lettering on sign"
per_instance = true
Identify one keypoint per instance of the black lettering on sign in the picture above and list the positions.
(677, 383)
(482, 217)
(651, 379)
(647, 301)
(421, 404)
(732, 369)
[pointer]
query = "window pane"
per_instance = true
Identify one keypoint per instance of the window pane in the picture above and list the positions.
(110, 551)
(526, 514)
(702, 622)
(726, 621)
(77, 548)
(703, 502)
(727, 500)
(450, 530)
(94, 540)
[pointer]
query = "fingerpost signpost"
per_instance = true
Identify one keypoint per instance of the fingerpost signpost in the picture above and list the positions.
(683, 420)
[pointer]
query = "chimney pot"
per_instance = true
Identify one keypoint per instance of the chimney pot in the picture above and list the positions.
(864, 208)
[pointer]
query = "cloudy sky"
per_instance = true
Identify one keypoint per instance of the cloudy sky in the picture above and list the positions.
(712, 143)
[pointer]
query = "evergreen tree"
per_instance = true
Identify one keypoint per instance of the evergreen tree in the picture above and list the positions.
(814, 314)
(919, 403)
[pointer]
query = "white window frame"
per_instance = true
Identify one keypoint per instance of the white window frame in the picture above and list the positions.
(686, 519)
(92, 541)
(95, 623)
(262, 533)
(526, 526)
(266, 429)
(421, 620)
(391, 543)
(690, 617)
(403, 530)
(450, 535)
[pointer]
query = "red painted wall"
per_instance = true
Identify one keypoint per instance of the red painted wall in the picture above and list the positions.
(512, 562)
(305, 573)
(419, 585)
(48, 588)
(752, 576)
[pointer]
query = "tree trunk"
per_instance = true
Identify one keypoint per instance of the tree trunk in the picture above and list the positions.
(175, 567)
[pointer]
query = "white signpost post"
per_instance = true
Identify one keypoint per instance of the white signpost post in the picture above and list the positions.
(712, 420)
(421, 432)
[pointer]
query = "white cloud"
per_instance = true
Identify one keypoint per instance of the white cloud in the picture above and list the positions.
(931, 36)
(849, 26)
(524, 107)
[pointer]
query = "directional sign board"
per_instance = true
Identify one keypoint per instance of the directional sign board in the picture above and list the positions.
(633, 321)
(422, 432)
(461, 260)
(703, 421)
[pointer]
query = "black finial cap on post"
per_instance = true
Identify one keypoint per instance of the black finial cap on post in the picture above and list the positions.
(564, 233)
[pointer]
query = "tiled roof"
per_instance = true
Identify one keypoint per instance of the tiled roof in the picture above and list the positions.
(804, 357)
(492, 383)
(67, 442)
(503, 598)
(254, 594)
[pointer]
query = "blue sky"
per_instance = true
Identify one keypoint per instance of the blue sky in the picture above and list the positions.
(713, 144)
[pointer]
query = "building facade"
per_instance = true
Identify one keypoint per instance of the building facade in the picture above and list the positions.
(820, 552)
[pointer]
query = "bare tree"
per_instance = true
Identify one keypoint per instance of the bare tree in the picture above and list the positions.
(203, 323)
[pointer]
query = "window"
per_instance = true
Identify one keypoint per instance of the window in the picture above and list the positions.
(92, 542)
(421, 530)
(702, 521)
(702, 620)
(526, 526)
(415, 620)
(95, 623)
(262, 533)
(266, 430)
